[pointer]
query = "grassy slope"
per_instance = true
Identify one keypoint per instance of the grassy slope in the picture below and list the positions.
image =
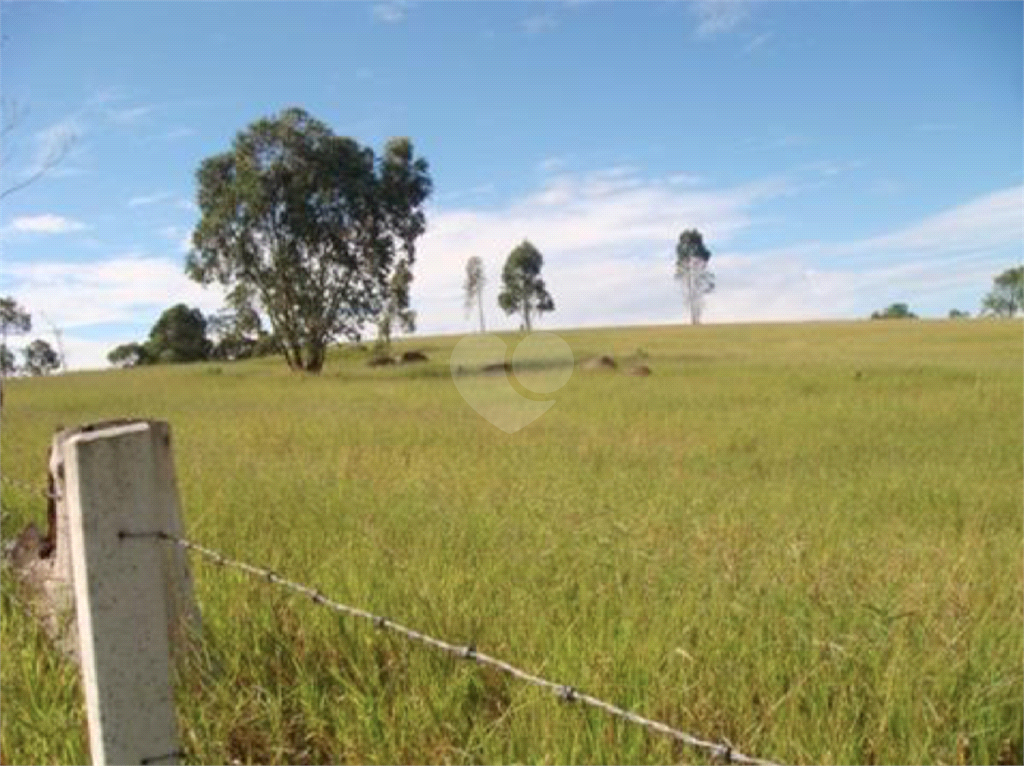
(754, 543)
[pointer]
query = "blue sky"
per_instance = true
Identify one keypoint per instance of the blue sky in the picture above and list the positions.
(837, 156)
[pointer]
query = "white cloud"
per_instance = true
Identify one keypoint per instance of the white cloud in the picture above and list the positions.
(45, 224)
(127, 288)
(390, 12)
(608, 236)
(715, 17)
(148, 199)
(937, 258)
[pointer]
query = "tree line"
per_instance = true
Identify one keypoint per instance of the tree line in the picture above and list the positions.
(315, 234)
(1004, 301)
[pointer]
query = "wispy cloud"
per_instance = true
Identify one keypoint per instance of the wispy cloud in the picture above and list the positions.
(173, 134)
(149, 199)
(603, 234)
(758, 41)
(715, 17)
(45, 224)
(391, 11)
(537, 23)
(129, 115)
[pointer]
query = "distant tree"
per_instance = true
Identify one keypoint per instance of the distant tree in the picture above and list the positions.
(14, 320)
(895, 311)
(129, 355)
(315, 225)
(524, 292)
(474, 287)
(692, 271)
(179, 335)
(1007, 295)
(958, 314)
(40, 358)
(396, 314)
(8, 364)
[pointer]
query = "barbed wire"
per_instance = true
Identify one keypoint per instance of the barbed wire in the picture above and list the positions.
(563, 691)
(25, 486)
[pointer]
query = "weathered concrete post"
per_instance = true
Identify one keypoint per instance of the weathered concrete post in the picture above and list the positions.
(133, 595)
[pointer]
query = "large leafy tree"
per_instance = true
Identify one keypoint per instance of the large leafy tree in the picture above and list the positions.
(474, 287)
(692, 272)
(314, 225)
(179, 335)
(40, 358)
(523, 290)
(1007, 295)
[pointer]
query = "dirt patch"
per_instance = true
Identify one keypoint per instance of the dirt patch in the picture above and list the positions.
(497, 367)
(379, 361)
(600, 363)
(640, 371)
(411, 357)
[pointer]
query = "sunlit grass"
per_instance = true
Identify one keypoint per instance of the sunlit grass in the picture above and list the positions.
(806, 539)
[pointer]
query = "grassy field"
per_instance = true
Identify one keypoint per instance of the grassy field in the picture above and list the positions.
(804, 538)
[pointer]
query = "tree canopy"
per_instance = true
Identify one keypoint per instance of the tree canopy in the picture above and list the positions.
(13, 318)
(1007, 295)
(179, 335)
(692, 271)
(315, 225)
(523, 290)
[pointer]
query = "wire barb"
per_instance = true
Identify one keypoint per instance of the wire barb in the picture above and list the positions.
(564, 691)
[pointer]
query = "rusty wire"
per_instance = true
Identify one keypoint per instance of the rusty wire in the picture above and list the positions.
(563, 691)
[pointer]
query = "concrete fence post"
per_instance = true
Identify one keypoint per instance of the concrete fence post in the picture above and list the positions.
(133, 595)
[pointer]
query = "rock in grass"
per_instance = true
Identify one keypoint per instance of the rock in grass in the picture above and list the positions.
(379, 361)
(411, 357)
(600, 363)
(640, 371)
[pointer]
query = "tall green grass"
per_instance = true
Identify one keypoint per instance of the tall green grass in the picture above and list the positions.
(806, 539)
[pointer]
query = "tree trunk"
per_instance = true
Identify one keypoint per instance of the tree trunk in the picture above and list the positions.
(315, 358)
(691, 296)
(480, 304)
